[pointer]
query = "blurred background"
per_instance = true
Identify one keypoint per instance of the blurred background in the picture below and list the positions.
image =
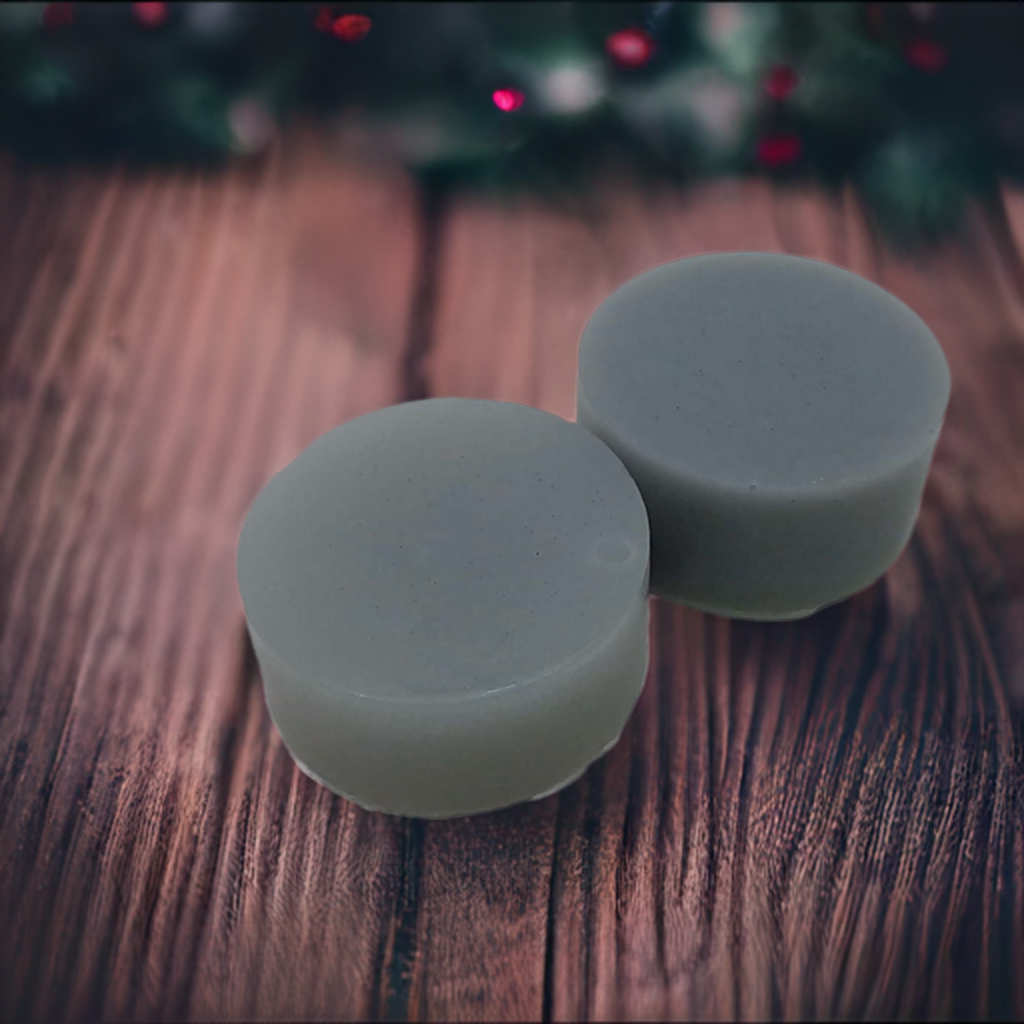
(918, 106)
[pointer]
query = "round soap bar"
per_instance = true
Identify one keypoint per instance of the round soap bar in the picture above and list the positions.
(448, 601)
(779, 415)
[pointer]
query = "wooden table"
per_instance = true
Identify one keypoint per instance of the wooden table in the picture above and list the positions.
(813, 819)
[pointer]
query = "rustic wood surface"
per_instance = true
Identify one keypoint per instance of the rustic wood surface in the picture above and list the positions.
(813, 819)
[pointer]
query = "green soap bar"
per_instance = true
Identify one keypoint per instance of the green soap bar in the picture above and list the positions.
(779, 415)
(448, 601)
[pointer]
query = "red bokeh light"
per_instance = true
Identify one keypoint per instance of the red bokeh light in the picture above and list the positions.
(781, 82)
(507, 99)
(350, 28)
(58, 15)
(630, 48)
(779, 150)
(925, 55)
(151, 15)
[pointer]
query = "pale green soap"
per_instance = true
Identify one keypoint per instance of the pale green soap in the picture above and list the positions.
(448, 601)
(779, 415)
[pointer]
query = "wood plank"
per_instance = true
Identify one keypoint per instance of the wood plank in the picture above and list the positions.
(181, 337)
(813, 819)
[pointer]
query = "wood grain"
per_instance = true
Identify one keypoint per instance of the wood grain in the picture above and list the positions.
(821, 819)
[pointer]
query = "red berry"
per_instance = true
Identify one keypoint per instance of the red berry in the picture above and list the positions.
(631, 47)
(151, 15)
(350, 28)
(779, 150)
(507, 99)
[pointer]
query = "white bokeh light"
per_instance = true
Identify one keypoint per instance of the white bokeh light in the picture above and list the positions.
(572, 89)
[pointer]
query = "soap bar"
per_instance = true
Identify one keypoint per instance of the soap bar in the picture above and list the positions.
(448, 602)
(779, 415)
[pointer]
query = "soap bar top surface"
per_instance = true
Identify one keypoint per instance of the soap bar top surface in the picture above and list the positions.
(443, 548)
(762, 370)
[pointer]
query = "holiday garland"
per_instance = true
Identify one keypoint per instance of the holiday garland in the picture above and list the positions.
(523, 95)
